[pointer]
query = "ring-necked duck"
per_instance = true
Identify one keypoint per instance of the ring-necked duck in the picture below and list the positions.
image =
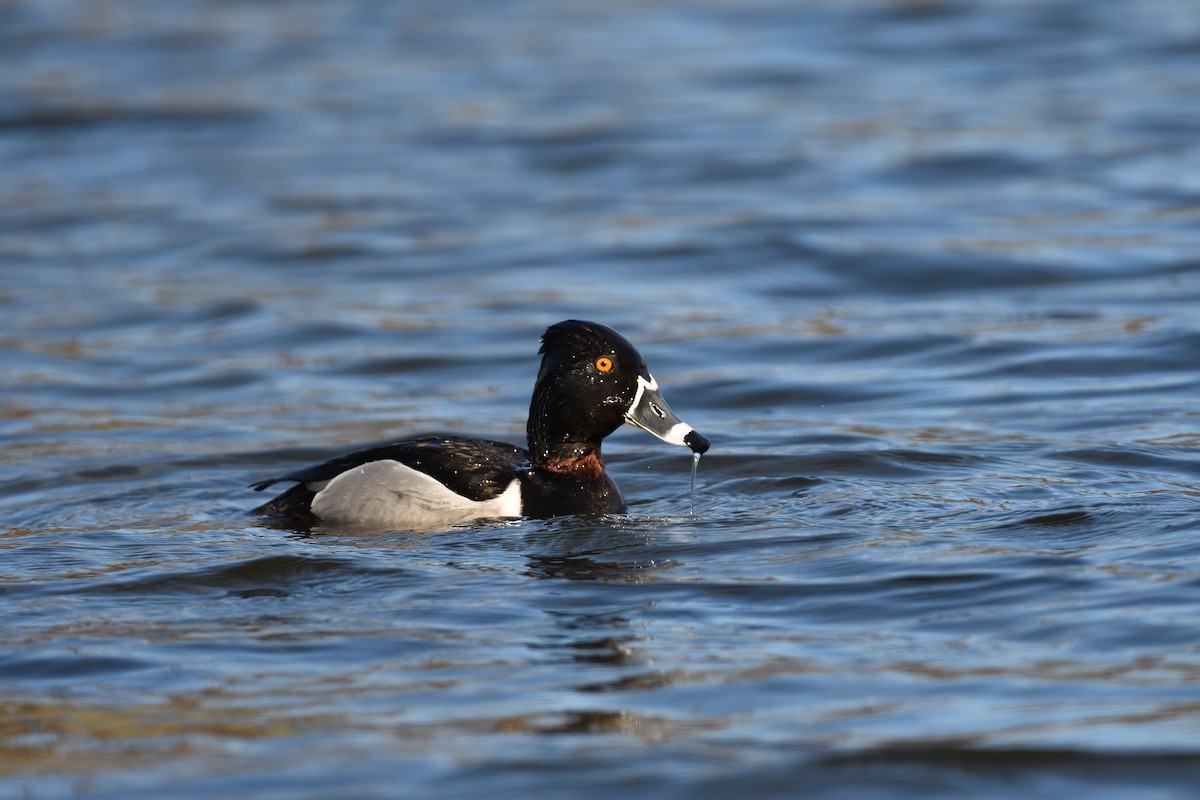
(591, 380)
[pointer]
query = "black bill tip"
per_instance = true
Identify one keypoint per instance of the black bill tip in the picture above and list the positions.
(697, 442)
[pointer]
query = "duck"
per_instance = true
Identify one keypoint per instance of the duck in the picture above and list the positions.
(590, 382)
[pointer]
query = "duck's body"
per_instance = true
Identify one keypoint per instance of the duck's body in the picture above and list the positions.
(429, 481)
(590, 382)
(437, 480)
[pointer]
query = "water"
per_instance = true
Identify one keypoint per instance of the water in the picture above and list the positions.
(925, 273)
(692, 485)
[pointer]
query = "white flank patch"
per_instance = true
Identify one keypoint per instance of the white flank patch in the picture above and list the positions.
(389, 494)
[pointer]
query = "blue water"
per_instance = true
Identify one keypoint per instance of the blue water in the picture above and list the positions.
(926, 273)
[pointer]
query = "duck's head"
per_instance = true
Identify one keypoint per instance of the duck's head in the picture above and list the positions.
(591, 381)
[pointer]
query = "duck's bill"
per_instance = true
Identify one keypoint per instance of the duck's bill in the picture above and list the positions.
(652, 414)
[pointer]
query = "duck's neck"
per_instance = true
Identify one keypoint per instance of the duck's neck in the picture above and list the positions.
(580, 460)
(553, 446)
(587, 468)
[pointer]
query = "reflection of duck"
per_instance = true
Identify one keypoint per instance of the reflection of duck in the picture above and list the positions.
(590, 382)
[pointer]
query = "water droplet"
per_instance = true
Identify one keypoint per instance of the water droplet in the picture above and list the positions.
(692, 496)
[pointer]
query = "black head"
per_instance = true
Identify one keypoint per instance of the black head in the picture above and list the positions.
(591, 381)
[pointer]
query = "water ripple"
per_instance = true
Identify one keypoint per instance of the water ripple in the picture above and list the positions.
(924, 272)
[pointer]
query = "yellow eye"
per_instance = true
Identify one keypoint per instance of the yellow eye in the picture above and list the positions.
(604, 364)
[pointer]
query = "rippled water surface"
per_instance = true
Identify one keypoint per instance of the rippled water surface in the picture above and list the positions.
(926, 273)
